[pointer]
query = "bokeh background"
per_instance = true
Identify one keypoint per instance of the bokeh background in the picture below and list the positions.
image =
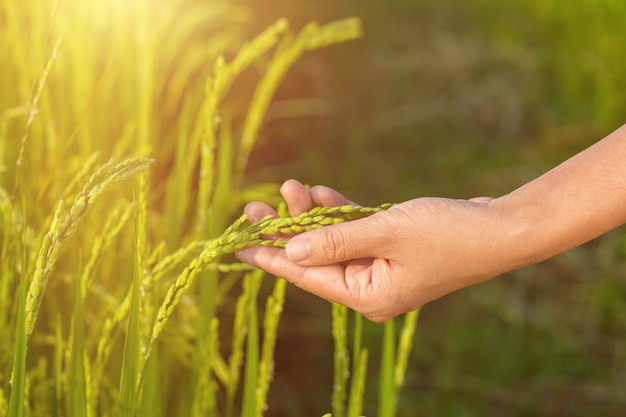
(459, 99)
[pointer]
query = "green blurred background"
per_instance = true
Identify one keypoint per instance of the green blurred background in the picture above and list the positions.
(460, 99)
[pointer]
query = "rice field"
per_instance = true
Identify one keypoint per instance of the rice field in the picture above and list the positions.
(132, 134)
(124, 141)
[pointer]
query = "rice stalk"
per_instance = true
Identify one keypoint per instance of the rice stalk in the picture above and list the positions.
(235, 360)
(76, 382)
(404, 347)
(357, 385)
(58, 369)
(387, 396)
(91, 400)
(18, 375)
(128, 397)
(62, 226)
(359, 369)
(341, 360)
(273, 311)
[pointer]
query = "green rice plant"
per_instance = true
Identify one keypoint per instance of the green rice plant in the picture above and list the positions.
(393, 365)
(64, 224)
(91, 81)
(149, 87)
(359, 370)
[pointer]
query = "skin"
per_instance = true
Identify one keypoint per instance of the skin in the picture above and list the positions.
(422, 249)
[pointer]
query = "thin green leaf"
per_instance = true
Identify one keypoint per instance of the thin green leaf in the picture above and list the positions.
(132, 350)
(18, 377)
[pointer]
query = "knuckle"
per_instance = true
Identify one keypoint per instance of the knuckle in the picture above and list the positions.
(333, 244)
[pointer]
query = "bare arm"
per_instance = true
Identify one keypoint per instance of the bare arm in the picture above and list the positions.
(571, 204)
(422, 249)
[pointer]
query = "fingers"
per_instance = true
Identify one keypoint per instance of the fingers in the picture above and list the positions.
(324, 281)
(325, 196)
(357, 239)
(256, 211)
(297, 197)
(353, 285)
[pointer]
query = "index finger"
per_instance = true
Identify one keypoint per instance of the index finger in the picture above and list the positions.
(324, 281)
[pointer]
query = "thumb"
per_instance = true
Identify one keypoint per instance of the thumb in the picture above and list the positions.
(337, 243)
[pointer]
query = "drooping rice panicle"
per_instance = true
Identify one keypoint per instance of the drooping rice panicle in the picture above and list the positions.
(85, 170)
(334, 32)
(33, 111)
(216, 87)
(237, 237)
(288, 51)
(63, 226)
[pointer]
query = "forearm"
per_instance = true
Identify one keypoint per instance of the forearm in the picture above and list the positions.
(571, 204)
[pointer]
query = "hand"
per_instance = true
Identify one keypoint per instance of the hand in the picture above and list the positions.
(389, 263)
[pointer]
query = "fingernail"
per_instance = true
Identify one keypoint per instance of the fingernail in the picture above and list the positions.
(298, 250)
(241, 255)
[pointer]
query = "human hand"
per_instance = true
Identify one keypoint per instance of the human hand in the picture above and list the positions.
(391, 262)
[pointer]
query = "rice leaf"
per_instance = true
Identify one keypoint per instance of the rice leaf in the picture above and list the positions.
(18, 376)
(128, 400)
